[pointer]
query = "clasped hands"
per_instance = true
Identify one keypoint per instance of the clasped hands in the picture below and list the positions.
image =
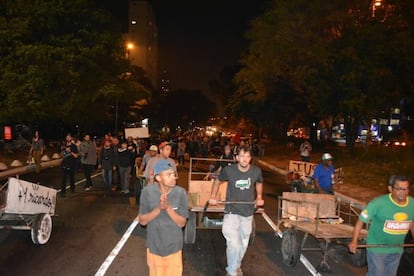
(164, 202)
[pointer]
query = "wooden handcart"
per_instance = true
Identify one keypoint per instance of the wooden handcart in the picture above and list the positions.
(201, 214)
(317, 216)
(27, 206)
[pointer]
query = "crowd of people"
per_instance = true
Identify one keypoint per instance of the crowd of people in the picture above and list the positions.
(163, 205)
(121, 158)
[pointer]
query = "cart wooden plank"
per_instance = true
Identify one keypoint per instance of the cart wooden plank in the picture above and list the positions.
(199, 192)
(303, 206)
(325, 230)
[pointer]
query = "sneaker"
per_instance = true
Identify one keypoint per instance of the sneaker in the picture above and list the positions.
(87, 189)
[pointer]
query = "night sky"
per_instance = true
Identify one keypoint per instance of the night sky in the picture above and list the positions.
(197, 39)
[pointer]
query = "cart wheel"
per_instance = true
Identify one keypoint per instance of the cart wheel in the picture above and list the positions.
(41, 228)
(359, 258)
(290, 248)
(190, 228)
(253, 233)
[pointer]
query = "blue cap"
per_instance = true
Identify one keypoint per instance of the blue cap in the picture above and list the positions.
(162, 165)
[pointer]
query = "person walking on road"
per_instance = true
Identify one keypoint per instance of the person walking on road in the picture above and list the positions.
(36, 150)
(107, 162)
(89, 158)
(165, 152)
(124, 158)
(152, 151)
(390, 217)
(323, 175)
(68, 165)
(181, 147)
(164, 210)
(226, 159)
(305, 149)
(245, 184)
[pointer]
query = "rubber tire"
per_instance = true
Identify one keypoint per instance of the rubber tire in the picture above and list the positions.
(190, 228)
(41, 228)
(359, 258)
(253, 233)
(290, 248)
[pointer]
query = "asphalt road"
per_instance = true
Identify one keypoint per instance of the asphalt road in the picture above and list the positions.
(88, 225)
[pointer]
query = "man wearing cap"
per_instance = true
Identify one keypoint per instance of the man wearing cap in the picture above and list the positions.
(153, 150)
(324, 174)
(164, 210)
(165, 152)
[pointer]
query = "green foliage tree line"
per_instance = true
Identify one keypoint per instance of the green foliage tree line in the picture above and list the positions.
(325, 59)
(62, 64)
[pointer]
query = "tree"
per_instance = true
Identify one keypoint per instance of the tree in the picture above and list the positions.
(334, 55)
(60, 60)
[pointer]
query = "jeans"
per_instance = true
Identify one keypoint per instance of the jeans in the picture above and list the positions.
(236, 230)
(107, 177)
(87, 170)
(383, 264)
(124, 173)
(67, 173)
(37, 156)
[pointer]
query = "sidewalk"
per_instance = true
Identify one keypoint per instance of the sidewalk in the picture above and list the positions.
(349, 192)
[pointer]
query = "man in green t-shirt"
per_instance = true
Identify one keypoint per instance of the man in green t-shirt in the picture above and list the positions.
(390, 217)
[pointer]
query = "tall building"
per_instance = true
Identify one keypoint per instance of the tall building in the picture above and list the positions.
(165, 83)
(141, 39)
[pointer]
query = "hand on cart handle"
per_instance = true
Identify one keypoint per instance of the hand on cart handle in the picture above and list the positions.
(352, 246)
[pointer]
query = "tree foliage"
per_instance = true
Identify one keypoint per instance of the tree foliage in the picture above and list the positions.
(334, 56)
(60, 59)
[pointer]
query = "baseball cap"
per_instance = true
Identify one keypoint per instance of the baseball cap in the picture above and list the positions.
(153, 148)
(327, 156)
(163, 144)
(161, 166)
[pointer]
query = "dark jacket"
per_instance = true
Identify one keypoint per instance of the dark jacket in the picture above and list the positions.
(107, 158)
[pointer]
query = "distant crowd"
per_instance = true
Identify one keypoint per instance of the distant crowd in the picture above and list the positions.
(121, 158)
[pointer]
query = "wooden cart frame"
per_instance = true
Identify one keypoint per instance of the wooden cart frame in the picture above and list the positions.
(202, 215)
(27, 206)
(317, 216)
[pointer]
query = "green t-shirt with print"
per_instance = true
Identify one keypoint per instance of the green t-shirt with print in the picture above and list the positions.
(389, 222)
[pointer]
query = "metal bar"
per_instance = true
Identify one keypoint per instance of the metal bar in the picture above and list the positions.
(272, 224)
(379, 245)
(309, 266)
(236, 202)
(16, 227)
(385, 245)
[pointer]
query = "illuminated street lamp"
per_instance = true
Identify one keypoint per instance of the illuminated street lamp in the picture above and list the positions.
(129, 47)
(375, 4)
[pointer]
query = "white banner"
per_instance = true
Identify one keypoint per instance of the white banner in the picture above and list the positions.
(137, 132)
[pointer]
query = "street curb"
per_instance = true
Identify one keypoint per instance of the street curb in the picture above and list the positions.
(29, 168)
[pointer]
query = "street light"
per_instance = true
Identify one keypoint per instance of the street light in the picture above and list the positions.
(129, 47)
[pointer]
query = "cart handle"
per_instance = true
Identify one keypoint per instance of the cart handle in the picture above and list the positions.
(380, 245)
(228, 202)
(385, 245)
